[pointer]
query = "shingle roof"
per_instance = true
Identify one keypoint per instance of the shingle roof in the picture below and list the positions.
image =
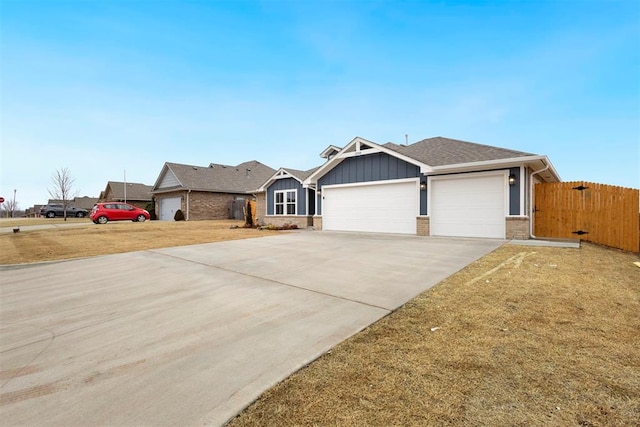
(243, 178)
(301, 175)
(135, 191)
(441, 151)
(85, 202)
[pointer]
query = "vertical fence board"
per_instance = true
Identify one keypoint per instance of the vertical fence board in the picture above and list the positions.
(608, 214)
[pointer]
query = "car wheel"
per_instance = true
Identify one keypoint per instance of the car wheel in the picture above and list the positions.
(80, 214)
(51, 215)
(141, 218)
(103, 220)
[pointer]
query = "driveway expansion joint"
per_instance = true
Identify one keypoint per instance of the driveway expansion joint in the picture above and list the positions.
(274, 281)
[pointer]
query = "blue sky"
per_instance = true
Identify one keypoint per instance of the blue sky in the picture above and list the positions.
(102, 87)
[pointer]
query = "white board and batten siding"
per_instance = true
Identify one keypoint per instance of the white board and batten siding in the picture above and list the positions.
(469, 205)
(381, 206)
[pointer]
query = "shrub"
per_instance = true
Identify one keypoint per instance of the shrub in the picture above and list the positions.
(179, 216)
(151, 208)
(248, 217)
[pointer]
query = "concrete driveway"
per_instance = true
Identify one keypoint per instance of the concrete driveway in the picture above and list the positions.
(191, 335)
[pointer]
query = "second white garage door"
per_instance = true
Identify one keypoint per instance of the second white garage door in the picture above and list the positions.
(381, 207)
(168, 207)
(473, 206)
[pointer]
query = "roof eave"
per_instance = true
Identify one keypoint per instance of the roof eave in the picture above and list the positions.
(535, 162)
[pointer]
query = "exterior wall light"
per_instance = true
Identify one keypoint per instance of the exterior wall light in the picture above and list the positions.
(423, 185)
(512, 179)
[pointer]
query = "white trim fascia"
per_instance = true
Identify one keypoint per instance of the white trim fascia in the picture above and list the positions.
(506, 163)
(359, 153)
(281, 173)
(325, 153)
(334, 161)
(504, 173)
(163, 172)
(381, 182)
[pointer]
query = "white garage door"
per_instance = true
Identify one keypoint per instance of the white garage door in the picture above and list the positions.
(168, 208)
(383, 207)
(468, 207)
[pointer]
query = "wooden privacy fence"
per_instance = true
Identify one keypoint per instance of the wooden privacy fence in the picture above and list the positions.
(599, 213)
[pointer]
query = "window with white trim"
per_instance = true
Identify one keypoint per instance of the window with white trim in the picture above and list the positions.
(285, 202)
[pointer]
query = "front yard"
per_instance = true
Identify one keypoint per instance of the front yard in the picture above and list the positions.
(524, 336)
(114, 237)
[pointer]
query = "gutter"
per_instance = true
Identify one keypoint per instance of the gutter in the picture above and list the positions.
(531, 205)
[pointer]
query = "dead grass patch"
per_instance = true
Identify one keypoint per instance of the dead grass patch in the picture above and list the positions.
(523, 336)
(116, 237)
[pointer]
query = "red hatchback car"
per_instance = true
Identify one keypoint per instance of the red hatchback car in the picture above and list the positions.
(117, 211)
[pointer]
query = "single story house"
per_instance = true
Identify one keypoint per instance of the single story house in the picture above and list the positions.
(288, 201)
(207, 192)
(129, 192)
(84, 202)
(434, 187)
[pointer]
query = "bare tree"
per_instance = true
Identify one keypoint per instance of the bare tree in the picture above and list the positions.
(63, 188)
(10, 207)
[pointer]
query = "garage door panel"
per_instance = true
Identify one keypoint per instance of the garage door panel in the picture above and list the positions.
(468, 207)
(168, 207)
(382, 208)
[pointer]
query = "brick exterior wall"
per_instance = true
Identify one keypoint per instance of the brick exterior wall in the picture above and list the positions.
(517, 227)
(423, 227)
(203, 205)
(280, 220)
(261, 208)
(167, 196)
(317, 223)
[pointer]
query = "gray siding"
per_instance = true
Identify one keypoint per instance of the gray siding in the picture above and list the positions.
(372, 167)
(287, 184)
(514, 193)
(312, 201)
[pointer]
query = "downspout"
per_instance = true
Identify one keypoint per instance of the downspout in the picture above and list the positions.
(188, 192)
(531, 205)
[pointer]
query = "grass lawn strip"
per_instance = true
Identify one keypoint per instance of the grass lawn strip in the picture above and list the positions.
(523, 336)
(116, 237)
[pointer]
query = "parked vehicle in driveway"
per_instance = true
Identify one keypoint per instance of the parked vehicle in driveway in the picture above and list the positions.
(117, 211)
(54, 210)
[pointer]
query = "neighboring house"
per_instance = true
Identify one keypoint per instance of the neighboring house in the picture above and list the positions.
(129, 192)
(207, 192)
(84, 202)
(434, 187)
(283, 199)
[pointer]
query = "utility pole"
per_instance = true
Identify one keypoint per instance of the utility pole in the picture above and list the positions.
(13, 207)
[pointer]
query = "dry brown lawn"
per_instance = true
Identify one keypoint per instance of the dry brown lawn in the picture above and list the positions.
(524, 336)
(114, 237)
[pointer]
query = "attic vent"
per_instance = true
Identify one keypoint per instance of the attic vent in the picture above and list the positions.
(195, 168)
